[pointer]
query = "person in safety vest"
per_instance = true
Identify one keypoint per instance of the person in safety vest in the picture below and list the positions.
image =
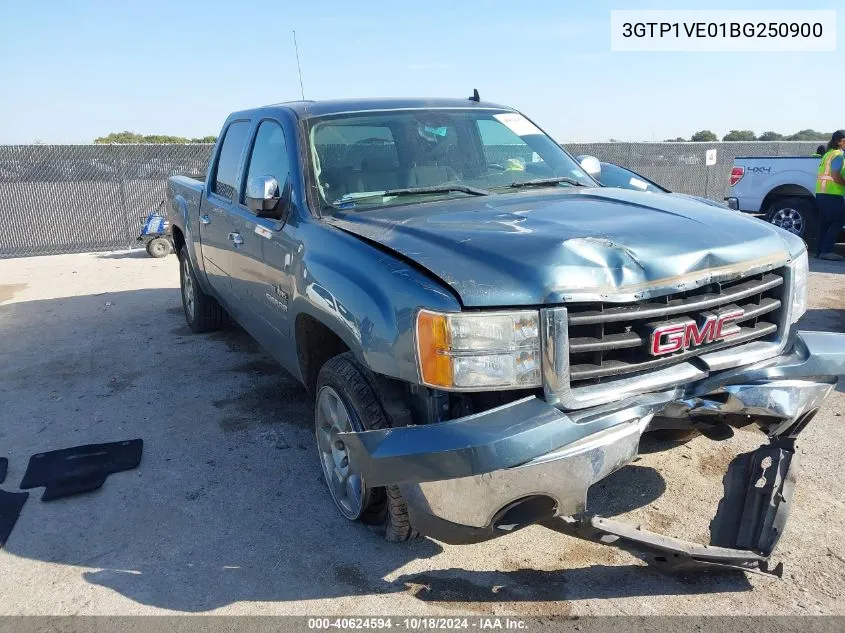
(820, 150)
(830, 196)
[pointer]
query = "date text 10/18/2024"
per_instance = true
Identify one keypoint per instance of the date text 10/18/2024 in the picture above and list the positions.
(420, 623)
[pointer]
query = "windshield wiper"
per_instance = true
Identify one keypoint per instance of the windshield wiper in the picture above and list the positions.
(543, 182)
(412, 191)
(365, 196)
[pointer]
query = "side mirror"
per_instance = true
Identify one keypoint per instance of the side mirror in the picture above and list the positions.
(591, 165)
(265, 199)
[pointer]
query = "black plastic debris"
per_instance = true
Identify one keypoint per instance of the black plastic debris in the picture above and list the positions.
(4, 468)
(758, 494)
(71, 471)
(10, 509)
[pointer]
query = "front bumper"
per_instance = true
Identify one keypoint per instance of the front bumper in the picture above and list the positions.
(487, 474)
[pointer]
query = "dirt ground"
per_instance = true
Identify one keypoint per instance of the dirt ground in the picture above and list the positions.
(228, 512)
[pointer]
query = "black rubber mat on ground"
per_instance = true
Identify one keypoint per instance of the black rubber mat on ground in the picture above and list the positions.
(4, 467)
(10, 509)
(70, 471)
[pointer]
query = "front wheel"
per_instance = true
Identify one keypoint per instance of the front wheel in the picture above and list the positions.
(796, 215)
(347, 401)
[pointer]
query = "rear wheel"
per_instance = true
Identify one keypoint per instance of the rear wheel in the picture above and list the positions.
(202, 312)
(796, 215)
(346, 401)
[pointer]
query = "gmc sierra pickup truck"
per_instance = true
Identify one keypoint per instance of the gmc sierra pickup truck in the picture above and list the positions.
(487, 332)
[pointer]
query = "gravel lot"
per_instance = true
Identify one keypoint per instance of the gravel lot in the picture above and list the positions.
(228, 512)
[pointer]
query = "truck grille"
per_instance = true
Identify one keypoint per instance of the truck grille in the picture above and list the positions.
(607, 340)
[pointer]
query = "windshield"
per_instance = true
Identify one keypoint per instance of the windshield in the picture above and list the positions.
(374, 159)
(621, 178)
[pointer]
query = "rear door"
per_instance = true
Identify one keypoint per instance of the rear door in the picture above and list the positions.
(261, 263)
(215, 221)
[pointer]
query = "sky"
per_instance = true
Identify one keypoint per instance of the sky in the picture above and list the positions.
(74, 70)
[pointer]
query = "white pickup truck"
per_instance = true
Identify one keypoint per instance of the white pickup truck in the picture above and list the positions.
(780, 187)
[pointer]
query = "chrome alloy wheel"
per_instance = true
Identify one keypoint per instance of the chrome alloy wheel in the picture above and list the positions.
(345, 484)
(188, 290)
(789, 219)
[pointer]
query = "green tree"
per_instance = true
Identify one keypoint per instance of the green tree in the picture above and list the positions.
(132, 137)
(679, 139)
(770, 136)
(704, 136)
(808, 135)
(739, 135)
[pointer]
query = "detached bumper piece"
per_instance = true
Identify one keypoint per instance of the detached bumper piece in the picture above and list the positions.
(744, 532)
(80, 469)
(668, 553)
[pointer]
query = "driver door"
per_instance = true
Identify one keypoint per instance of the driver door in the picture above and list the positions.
(261, 259)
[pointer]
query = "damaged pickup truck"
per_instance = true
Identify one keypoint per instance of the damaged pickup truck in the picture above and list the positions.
(487, 332)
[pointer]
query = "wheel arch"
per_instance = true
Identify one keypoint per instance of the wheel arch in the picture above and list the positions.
(786, 191)
(178, 239)
(316, 343)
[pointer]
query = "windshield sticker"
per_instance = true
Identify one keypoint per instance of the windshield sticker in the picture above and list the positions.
(639, 184)
(517, 123)
(436, 131)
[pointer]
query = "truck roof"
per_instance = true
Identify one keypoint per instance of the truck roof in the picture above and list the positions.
(307, 109)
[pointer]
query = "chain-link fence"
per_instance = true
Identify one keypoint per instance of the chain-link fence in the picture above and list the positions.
(76, 198)
(681, 166)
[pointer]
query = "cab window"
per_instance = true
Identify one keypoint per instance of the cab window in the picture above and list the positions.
(226, 173)
(269, 155)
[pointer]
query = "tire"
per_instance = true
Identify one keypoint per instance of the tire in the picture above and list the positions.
(384, 509)
(202, 312)
(796, 215)
(158, 247)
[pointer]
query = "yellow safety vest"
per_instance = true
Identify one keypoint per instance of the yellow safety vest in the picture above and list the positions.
(825, 182)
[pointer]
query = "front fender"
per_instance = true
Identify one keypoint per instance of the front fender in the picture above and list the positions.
(366, 296)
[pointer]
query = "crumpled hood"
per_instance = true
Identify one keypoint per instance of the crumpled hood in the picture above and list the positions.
(533, 248)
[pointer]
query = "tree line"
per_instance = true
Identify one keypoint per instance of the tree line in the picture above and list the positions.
(132, 137)
(747, 135)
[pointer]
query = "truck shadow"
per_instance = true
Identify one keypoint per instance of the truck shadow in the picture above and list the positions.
(823, 320)
(228, 504)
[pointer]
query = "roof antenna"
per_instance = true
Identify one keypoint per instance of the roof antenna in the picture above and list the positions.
(475, 96)
(298, 69)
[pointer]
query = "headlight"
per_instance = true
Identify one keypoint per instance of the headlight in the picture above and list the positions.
(472, 352)
(800, 275)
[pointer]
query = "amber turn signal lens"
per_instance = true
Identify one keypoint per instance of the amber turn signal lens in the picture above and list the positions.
(433, 345)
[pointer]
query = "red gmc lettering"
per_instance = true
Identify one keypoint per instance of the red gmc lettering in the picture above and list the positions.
(674, 337)
(725, 327)
(694, 336)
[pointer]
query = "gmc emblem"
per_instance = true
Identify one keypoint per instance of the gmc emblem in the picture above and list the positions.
(680, 335)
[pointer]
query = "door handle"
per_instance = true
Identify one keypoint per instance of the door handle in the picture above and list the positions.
(236, 238)
(204, 219)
